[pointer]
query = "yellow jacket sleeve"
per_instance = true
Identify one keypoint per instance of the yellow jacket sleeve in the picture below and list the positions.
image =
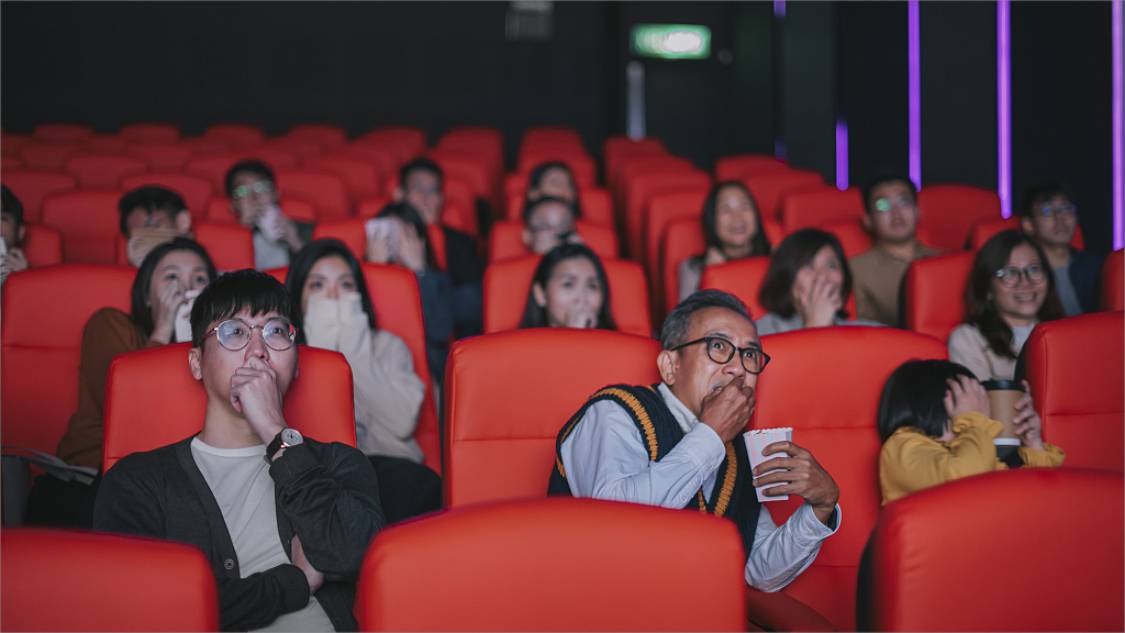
(911, 460)
(1052, 456)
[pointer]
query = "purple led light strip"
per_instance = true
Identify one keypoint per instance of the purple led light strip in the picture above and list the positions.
(778, 8)
(1004, 104)
(1118, 129)
(914, 55)
(841, 155)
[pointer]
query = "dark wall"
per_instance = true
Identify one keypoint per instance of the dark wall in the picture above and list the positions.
(808, 87)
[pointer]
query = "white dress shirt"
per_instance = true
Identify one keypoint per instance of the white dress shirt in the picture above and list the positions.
(605, 458)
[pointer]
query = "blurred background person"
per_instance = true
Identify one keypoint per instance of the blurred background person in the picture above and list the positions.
(732, 229)
(1050, 218)
(569, 289)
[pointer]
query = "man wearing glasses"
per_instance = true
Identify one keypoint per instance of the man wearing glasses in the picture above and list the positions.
(284, 519)
(678, 444)
(254, 199)
(1050, 218)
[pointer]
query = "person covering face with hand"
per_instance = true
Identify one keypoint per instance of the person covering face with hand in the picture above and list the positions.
(549, 223)
(293, 515)
(569, 289)
(255, 200)
(678, 444)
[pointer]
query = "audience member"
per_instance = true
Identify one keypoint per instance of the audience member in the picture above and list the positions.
(1009, 290)
(552, 179)
(170, 275)
(732, 229)
(549, 222)
(569, 289)
(1051, 218)
(12, 231)
(891, 205)
(421, 184)
(150, 216)
(936, 426)
(679, 445)
(284, 519)
(807, 285)
(336, 313)
(254, 199)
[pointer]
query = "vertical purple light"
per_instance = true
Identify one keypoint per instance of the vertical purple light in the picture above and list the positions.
(1118, 128)
(778, 8)
(914, 60)
(1004, 104)
(841, 154)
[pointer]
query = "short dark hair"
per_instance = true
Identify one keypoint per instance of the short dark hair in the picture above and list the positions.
(868, 188)
(760, 243)
(149, 198)
(255, 167)
(776, 294)
(234, 292)
(530, 206)
(536, 316)
(140, 312)
(1036, 195)
(981, 311)
(11, 205)
(914, 396)
(304, 261)
(419, 164)
(678, 321)
(408, 214)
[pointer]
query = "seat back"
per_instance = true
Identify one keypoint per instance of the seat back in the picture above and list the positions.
(929, 558)
(663, 209)
(505, 241)
(507, 284)
(934, 293)
(324, 134)
(950, 211)
(844, 369)
(149, 133)
(215, 168)
(31, 186)
(618, 149)
(596, 205)
(103, 170)
(324, 191)
(64, 132)
(817, 207)
(516, 559)
(583, 167)
(237, 134)
(195, 191)
(88, 222)
(142, 584)
(501, 422)
(404, 141)
(741, 278)
(732, 167)
(42, 246)
(170, 157)
(45, 312)
(361, 178)
(1076, 368)
(472, 168)
(1113, 281)
(639, 192)
(854, 239)
(353, 233)
(49, 156)
(768, 188)
(319, 402)
(985, 230)
(682, 239)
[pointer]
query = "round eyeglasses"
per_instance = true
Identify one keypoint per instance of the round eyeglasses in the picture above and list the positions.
(262, 186)
(235, 334)
(1010, 275)
(720, 350)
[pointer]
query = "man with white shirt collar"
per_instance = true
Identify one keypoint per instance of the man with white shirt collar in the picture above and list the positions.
(678, 444)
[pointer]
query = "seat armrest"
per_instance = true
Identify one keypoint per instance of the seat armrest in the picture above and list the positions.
(780, 612)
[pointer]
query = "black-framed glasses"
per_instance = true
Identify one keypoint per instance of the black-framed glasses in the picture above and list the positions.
(720, 350)
(235, 334)
(1058, 210)
(262, 186)
(1010, 275)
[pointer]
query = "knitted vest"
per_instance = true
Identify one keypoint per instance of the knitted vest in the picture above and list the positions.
(732, 497)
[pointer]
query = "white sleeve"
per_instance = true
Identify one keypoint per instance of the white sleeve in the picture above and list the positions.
(605, 458)
(780, 554)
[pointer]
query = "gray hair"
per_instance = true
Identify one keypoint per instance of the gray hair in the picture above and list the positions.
(678, 321)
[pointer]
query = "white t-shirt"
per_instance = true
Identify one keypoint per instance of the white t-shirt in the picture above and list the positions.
(240, 480)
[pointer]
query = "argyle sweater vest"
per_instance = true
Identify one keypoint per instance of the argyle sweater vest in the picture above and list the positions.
(732, 497)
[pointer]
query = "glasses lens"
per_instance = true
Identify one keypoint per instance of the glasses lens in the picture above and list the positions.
(233, 335)
(752, 360)
(241, 192)
(278, 334)
(262, 187)
(719, 350)
(1034, 274)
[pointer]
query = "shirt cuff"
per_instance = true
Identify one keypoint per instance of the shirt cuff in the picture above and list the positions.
(810, 531)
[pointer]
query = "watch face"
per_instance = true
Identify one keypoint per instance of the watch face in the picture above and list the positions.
(291, 436)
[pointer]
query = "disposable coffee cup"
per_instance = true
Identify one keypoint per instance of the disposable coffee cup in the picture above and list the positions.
(1002, 398)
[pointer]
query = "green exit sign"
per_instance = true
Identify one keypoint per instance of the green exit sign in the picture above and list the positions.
(672, 41)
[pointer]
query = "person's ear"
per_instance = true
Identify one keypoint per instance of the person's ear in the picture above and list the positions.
(183, 222)
(397, 195)
(1027, 226)
(526, 235)
(539, 294)
(194, 362)
(867, 224)
(21, 234)
(668, 363)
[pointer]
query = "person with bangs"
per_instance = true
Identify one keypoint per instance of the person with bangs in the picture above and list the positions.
(569, 289)
(732, 230)
(552, 179)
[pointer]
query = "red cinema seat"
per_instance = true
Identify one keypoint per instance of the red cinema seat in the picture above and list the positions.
(42, 246)
(319, 402)
(95, 171)
(165, 157)
(325, 192)
(732, 167)
(10, 163)
(64, 132)
(934, 294)
(323, 134)
(506, 240)
(45, 311)
(516, 559)
(196, 191)
(595, 206)
(10, 144)
(215, 168)
(1113, 281)
(1076, 368)
(49, 156)
(501, 422)
(485, 142)
(985, 230)
(769, 188)
(152, 133)
(931, 553)
(472, 169)
(361, 178)
(231, 246)
(742, 278)
(380, 158)
(835, 420)
(89, 223)
(551, 135)
(404, 141)
(107, 144)
(618, 148)
(459, 210)
(299, 148)
(371, 207)
(817, 207)
(353, 233)
(143, 584)
(219, 211)
(235, 134)
(583, 167)
(31, 186)
(853, 238)
(507, 284)
(682, 239)
(631, 166)
(640, 190)
(949, 212)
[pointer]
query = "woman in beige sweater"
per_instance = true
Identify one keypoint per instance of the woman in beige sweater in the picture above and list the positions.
(337, 314)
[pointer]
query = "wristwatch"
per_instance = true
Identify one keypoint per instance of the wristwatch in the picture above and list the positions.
(286, 438)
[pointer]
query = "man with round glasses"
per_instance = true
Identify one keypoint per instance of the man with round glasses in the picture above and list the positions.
(1050, 218)
(284, 519)
(254, 199)
(678, 444)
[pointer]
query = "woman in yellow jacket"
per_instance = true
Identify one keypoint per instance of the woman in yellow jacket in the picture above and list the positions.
(935, 424)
